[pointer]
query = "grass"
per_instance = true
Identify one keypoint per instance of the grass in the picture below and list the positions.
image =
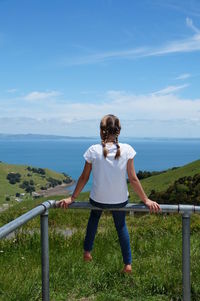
(156, 247)
(156, 243)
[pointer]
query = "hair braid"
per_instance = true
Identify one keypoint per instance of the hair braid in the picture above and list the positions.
(118, 153)
(103, 142)
(110, 126)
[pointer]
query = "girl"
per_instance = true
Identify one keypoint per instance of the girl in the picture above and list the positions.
(109, 162)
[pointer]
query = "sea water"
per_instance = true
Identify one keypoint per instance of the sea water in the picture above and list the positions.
(66, 155)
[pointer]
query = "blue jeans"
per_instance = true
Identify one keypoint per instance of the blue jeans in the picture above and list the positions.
(120, 225)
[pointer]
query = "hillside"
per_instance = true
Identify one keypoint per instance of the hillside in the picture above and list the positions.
(157, 182)
(38, 177)
(164, 180)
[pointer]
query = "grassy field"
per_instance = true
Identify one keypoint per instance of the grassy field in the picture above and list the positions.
(156, 242)
(7, 189)
(156, 248)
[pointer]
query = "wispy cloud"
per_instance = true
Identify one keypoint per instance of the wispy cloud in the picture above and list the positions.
(170, 89)
(191, 7)
(105, 56)
(189, 44)
(190, 24)
(183, 76)
(13, 90)
(36, 95)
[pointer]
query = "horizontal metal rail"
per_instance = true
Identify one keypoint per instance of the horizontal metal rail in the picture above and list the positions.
(42, 210)
(139, 207)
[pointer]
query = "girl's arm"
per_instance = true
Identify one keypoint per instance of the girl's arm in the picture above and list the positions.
(135, 183)
(84, 177)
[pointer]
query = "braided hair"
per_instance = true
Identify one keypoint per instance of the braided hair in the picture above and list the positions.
(110, 126)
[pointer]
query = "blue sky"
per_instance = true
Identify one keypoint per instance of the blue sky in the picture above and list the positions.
(65, 64)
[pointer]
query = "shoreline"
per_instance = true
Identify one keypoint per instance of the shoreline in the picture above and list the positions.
(57, 190)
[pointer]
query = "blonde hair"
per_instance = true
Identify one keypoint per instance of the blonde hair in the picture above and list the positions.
(110, 126)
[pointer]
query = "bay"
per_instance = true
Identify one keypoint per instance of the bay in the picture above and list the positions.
(66, 155)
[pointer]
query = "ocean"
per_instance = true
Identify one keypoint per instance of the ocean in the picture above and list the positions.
(66, 155)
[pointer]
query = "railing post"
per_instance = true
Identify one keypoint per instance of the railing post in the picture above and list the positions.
(186, 256)
(45, 255)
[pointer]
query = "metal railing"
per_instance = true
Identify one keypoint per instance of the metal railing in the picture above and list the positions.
(42, 210)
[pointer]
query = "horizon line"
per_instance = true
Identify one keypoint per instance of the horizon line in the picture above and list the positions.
(93, 137)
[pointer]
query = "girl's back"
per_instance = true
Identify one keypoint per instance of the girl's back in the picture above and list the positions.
(109, 174)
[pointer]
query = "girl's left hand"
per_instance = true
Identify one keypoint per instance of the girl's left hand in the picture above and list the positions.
(64, 203)
(153, 206)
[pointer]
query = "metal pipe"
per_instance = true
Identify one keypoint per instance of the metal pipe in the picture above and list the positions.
(181, 208)
(24, 218)
(44, 255)
(186, 256)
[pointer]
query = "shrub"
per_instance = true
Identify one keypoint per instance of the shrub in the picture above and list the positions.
(31, 182)
(185, 190)
(36, 170)
(27, 186)
(54, 182)
(43, 188)
(13, 178)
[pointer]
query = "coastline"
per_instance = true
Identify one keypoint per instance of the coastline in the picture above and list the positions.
(57, 190)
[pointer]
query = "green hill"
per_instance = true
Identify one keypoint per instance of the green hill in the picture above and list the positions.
(157, 182)
(163, 181)
(38, 176)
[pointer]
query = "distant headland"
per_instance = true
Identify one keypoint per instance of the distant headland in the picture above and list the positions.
(31, 136)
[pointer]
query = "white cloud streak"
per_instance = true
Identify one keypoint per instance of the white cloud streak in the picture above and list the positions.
(190, 24)
(13, 90)
(170, 89)
(35, 95)
(190, 44)
(183, 76)
(191, 7)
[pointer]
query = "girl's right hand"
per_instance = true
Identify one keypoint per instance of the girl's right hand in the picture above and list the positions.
(153, 206)
(64, 203)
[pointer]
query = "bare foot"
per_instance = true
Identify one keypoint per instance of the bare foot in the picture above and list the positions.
(87, 256)
(127, 269)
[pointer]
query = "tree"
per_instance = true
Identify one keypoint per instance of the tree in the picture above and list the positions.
(13, 178)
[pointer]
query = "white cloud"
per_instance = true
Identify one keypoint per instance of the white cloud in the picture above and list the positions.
(190, 24)
(183, 76)
(13, 90)
(191, 7)
(171, 89)
(189, 44)
(35, 95)
(154, 114)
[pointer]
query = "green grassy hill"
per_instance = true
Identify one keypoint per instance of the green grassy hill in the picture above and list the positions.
(162, 181)
(7, 189)
(158, 182)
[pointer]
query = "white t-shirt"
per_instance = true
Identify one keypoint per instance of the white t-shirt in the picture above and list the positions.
(109, 174)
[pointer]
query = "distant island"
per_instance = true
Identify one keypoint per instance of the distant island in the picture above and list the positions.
(40, 136)
(57, 137)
